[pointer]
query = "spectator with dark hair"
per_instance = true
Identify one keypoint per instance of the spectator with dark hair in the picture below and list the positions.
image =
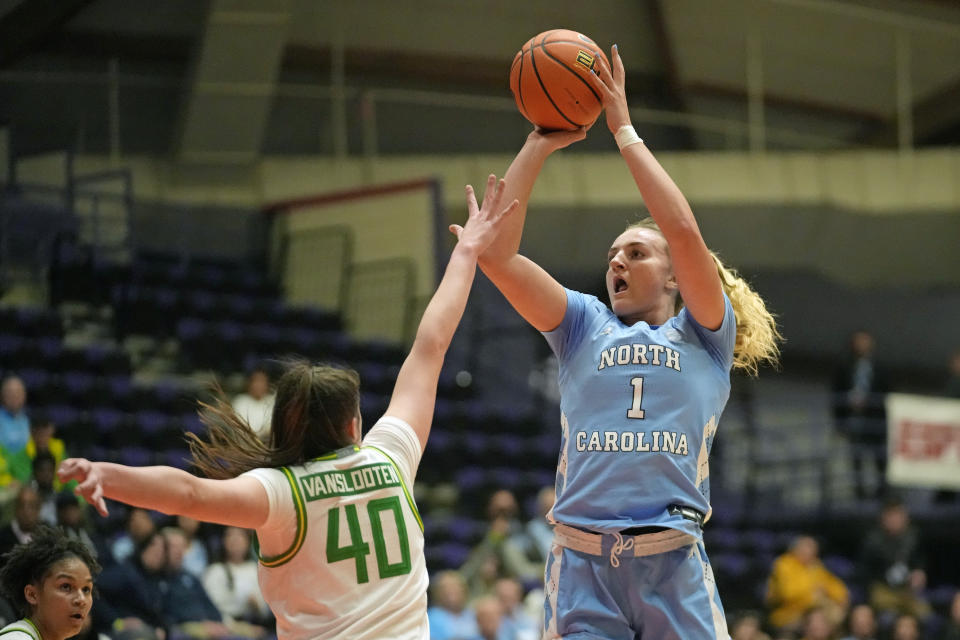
(798, 582)
(861, 623)
(139, 527)
(50, 581)
(43, 440)
(232, 582)
(255, 404)
(187, 605)
(44, 475)
(450, 619)
(70, 520)
(132, 591)
(859, 386)
(502, 552)
(892, 564)
(14, 432)
(26, 517)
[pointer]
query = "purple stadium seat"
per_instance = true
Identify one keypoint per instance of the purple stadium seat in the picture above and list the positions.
(135, 456)
(106, 420)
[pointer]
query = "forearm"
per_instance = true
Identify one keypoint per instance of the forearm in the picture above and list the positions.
(445, 309)
(520, 178)
(164, 489)
(663, 198)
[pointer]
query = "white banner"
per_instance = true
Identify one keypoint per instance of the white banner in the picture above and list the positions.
(923, 441)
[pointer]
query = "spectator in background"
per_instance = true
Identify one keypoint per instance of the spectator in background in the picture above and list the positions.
(892, 564)
(798, 582)
(859, 386)
(14, 431)
(43, 440)
(952, 387)
(816, 625)
(538, 530)
(746, 626)
(70, 521)
(26, 516)
(905, 627)
(195, 559)
(862, 623)
(448, 614)
(489, 615)
(255, 404)
(131, 591)
(139, 527)
(44, 474)
(515, 622)
(232, 582)
(185, 600)
(951, 631)
(503, 551)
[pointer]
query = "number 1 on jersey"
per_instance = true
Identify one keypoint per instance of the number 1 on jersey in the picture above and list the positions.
(635, 410)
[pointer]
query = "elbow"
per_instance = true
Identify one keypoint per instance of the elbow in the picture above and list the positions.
(430, 345)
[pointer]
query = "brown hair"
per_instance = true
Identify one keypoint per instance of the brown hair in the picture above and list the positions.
(757, 333)
(313, 407)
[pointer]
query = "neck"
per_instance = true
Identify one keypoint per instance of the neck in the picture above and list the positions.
(43, 630)
(655, 317)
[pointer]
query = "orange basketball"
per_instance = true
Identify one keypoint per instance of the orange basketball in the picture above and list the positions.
(548, 78)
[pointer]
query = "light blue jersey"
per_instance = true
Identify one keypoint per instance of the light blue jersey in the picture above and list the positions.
(640, 406)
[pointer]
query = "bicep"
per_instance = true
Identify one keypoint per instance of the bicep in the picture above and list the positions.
(534, 293)
(237, 502)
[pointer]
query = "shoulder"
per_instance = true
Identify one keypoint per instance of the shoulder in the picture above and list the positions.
(20, 630)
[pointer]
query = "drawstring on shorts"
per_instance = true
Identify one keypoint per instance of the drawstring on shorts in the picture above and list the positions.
(619, 546)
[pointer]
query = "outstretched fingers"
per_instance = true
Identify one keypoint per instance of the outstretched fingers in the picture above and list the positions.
(491, 193)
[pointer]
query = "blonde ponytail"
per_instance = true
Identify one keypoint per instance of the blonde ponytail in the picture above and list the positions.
(757, 333)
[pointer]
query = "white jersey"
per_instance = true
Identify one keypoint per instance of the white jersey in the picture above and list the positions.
(341, 552)
(22, 629)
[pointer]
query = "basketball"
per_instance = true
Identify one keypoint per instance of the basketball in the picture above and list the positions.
(549, 81)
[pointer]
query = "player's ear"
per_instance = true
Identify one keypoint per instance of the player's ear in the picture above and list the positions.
(31, 594)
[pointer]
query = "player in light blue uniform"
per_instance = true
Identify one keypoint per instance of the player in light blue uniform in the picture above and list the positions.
(643, 385)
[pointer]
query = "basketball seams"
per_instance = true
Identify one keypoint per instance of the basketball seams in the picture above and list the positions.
(564, 65)
(536, 72)
(519, 93)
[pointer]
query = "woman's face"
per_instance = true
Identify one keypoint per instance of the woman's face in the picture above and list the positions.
(640, 275)
(61, 602)
(236, 544)
(154, 555)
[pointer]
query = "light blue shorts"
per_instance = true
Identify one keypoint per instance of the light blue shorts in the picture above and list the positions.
(666, 596)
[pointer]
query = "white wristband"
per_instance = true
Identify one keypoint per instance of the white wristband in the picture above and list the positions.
(626, 136)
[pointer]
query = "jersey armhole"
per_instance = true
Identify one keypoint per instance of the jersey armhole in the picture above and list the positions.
(301, 533)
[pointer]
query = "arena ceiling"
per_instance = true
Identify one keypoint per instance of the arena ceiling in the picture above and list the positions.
(841, 71)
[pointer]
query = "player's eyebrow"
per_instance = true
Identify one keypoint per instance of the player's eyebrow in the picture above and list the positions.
(614, 248)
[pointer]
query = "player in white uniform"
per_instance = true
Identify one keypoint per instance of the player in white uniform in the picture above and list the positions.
(50, 582)
(642, 385)
(340, 539)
